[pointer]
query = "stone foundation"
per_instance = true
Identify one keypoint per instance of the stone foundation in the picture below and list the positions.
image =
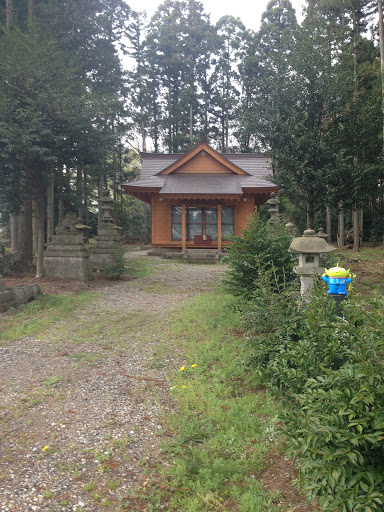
(20, 294)
(66, 256)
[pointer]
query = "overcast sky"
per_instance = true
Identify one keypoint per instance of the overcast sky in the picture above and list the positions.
(249, 11)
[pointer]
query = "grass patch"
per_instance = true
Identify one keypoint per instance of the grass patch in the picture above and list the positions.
(159, 288)
(368, 265)
(37, 316)
(224, 423)
(140, 267)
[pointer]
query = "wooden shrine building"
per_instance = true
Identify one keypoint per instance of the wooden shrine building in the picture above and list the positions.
(198, 198)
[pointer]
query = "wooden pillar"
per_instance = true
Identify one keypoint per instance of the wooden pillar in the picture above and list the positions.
(183, 228)
(219, 227)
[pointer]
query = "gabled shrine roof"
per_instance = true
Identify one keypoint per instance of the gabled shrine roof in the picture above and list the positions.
(165, 173)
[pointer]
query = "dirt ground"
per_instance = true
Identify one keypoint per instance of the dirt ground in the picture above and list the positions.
(83, 402)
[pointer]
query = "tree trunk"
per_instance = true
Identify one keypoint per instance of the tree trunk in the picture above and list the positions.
(310, 215)
(79, 191)
(35, 227)
(31, 10)
(101, 194)
(143, 136)
(361, 225)
(14, 231)
(381, 45)
(190, 123)
(226, 131)
(50, 209)
(329, 224)
(24, 238)
(170, 145)
(8, 13)
(85, 198)
(61, 209)
(356, 229)
(40, 238)
(341, 238)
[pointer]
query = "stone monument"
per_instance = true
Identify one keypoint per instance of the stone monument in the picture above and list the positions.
(66, 256)
(108, 234)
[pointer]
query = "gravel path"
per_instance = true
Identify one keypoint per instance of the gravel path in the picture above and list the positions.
(82, 403)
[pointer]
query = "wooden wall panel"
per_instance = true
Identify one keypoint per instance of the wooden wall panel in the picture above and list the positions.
(243, 211)
(203, 162)
(161, 221)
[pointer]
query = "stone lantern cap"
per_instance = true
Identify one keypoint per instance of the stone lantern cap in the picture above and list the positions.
(274, 199)
(321, 234)
(310, 244)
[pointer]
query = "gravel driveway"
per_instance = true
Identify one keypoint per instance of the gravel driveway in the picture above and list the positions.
(82, 403)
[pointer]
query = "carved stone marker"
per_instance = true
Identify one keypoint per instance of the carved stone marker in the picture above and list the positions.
(108, 234)
(66, 256)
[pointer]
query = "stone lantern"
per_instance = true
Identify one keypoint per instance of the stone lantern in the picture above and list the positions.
(321, 234)
(309, 247)
(108, 235)
(273, 209)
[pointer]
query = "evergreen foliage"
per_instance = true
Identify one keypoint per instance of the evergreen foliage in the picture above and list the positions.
(327, 371)
(258, 251)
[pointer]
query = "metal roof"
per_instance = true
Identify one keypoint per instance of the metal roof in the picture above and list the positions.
(257, 165)
(202, 184)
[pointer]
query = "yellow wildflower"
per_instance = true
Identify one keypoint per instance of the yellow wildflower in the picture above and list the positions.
(193, 365)
(182, 368)
(45, 448)
(183, 387)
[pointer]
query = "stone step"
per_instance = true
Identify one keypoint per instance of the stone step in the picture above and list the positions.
(172, 255)
(201, 251)
(211, 261)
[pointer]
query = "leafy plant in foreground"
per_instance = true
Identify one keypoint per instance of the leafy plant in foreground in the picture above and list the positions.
(327, 370)
(258, 251)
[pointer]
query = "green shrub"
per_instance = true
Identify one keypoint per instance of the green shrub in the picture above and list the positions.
(328, 371)
(255, 252)
(5, 261)
(117, 269)
(271, 321)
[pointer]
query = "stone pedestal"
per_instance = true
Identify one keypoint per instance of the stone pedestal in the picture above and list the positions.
(66, 256)
(20, 294)
(24, 293)
(108, 235)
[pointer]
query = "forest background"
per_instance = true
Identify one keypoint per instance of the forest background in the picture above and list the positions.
(72, 120)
